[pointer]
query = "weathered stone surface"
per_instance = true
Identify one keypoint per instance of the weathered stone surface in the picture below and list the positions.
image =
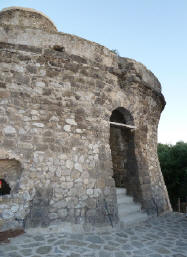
(9, 130)
(94, 239)
(43, 249)
(105, 254)
(26, 17)
(62, 213)
(120, 254)
(58, 94)
(153, 235)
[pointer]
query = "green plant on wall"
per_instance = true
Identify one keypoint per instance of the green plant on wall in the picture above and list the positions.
(115, 51)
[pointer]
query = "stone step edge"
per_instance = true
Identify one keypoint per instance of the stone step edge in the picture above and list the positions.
(122, 225)
(128, 204)
(121, 191)
(125, 199)
(134, 217)
(125, 212)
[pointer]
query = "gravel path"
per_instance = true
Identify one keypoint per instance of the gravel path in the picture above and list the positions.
(158, 237)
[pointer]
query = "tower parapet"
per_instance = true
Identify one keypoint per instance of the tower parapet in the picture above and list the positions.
(26, 17)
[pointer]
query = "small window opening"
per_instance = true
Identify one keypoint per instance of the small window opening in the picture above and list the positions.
(59, 48)
(4, 187)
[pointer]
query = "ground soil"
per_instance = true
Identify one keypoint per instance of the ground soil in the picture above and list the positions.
(5, 235)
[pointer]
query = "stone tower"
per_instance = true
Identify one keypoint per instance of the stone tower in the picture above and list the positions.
(76, 121)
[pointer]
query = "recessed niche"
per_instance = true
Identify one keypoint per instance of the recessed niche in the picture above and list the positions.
(10, 172)
(4, 187)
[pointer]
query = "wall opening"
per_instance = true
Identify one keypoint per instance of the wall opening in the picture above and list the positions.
(4, 187)
(10, 172)
(125, 171)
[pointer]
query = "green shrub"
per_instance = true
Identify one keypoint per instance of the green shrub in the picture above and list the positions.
(173, 162)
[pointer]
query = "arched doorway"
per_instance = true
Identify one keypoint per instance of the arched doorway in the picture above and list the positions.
(122, 150)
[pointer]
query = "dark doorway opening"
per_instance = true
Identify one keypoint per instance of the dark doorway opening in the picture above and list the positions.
(4, 187)
(10, 173)
(122, 150)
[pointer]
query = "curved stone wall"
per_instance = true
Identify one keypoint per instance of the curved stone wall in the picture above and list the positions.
(26, 17)
(57, 94)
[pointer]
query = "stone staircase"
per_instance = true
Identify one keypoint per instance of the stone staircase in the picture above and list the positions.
(129, 212)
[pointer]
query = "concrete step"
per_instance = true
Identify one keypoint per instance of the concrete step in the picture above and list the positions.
(129, 212)
(127, 202)
(133, 219)
(124, 199)
(120, 190)
(125, 209)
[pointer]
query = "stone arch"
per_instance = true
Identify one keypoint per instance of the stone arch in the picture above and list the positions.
(122, 115)
(125, 169)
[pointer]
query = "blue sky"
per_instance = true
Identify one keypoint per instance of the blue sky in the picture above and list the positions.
(153, 32)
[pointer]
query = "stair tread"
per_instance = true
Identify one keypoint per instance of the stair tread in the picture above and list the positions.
(136, 217)
(129, 212)
(120, 190)
(128, 204)
(125, 199)
(129, 208)
(139, 214)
